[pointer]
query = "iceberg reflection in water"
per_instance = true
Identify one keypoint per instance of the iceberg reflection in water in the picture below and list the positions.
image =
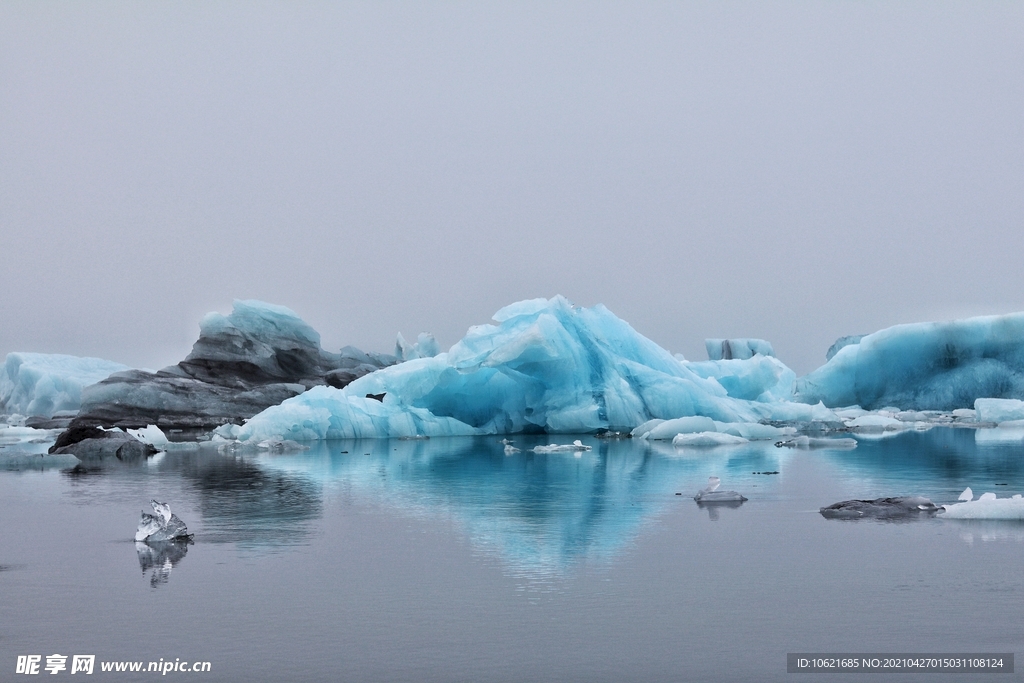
(159, 557)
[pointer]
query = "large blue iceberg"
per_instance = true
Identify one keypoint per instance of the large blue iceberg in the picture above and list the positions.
(924, 366)
(545, 367)
(46, 383)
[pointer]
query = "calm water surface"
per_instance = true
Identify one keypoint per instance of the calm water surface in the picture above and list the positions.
(445, 560)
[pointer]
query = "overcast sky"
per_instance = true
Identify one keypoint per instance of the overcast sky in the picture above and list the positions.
(790, 171)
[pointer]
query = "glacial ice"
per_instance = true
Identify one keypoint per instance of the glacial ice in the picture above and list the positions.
(576, 446)
(707, 440)
(162, 526)
(546, 366)
(999, 409)
(45, 383)
(924, 366)
(988, 506)
(728, 349)
(256, 357)
(711, 494)
(425, 347)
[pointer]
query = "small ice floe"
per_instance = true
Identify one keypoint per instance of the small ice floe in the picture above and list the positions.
(281, 445)
(509, 448)
(988, 506)
(164, 526)
(575, 447)
(881, 508)
(814, 442)
(36, 461)
(707, 440)
(711, 494)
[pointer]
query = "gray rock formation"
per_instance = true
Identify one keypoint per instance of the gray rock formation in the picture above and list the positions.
(881, 508)
(243, 363)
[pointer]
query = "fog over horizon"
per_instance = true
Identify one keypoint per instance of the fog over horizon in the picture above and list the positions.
(789, 171)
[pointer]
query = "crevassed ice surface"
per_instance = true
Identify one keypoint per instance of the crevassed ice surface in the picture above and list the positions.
(546, 366)
(924, 366)
(45, 383)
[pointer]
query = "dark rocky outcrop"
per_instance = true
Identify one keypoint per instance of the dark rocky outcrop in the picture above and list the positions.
(905, 507)
(243, 363)
(93, 443)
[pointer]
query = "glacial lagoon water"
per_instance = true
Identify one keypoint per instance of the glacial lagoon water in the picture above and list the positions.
(446, 560)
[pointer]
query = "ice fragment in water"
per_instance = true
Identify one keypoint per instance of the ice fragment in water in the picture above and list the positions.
(988, 506)
(711, 494)
(161, 526)
(707, 439)
(575, 446)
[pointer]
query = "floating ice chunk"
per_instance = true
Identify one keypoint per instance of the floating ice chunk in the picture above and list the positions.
(812, 442)
(988, 506)
(279, 446)
(43, 383)
(707, 439)
(575, 446)
(152, 435)
(162, 526)
(999, 409)
(729, 349)
(922, 366)
(886, 508)
(711, 494)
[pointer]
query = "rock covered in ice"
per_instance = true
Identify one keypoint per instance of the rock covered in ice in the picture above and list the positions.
(924, 366)
(728, 349)
(546, 366)
(46, 383)
(998, 409)
(881, 508)
(711, 494)
(162, 526)
(988, 506)
(257, 356)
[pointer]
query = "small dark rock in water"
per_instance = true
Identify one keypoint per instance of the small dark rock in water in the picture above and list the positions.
(377, 397)
(679, 494)
(764, 472)
(881, 508)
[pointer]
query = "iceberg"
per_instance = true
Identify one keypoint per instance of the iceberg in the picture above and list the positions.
(711, 494)
(42, 384)
(999, 410)
(242, 363)
(162, 526)
(759, 378)
(728, 349)
(576, 446)
(546, 366)
(988, 506)
(707, 440)
(425, 347)
(924, 366)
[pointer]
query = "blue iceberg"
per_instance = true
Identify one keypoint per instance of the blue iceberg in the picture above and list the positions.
(545, 367)
(924, 366)
(46, 383)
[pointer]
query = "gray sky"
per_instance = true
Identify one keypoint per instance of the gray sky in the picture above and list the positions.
(791, 171)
